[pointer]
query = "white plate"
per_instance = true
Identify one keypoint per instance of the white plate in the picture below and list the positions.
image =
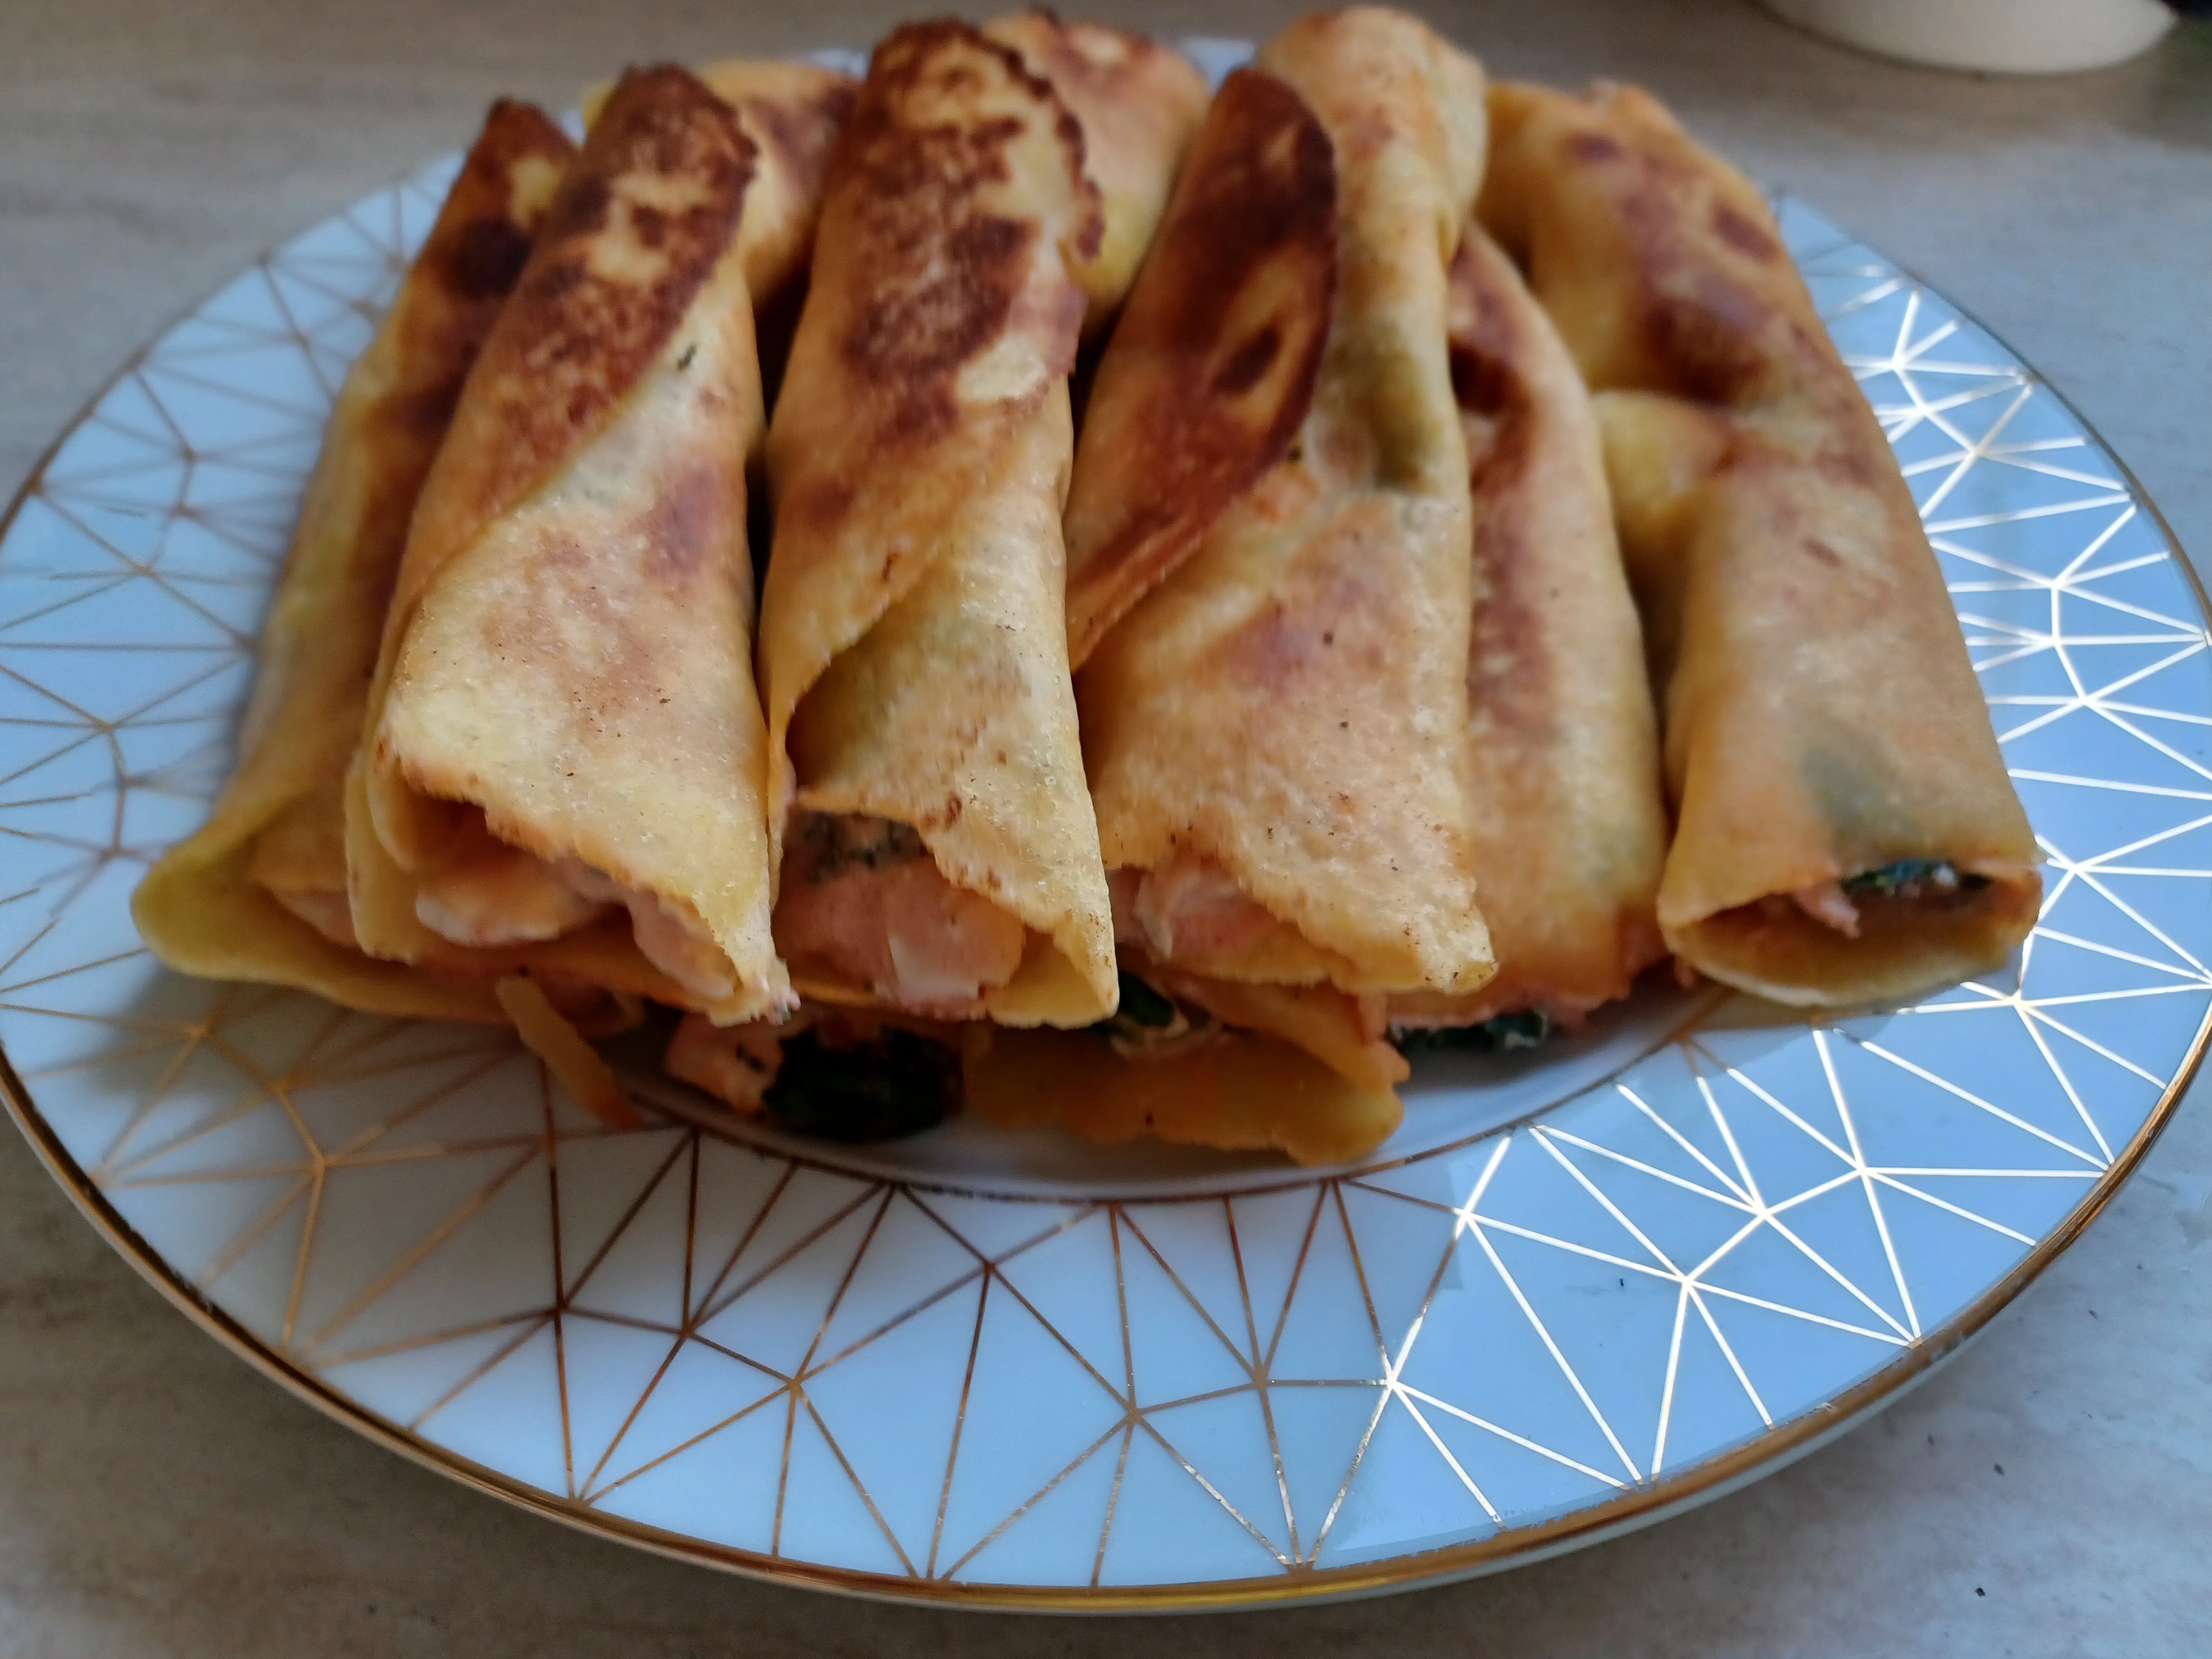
(1575, 1292)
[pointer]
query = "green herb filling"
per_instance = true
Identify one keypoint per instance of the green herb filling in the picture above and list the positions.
(899, 1084)
(1523, 1028)
(1912, 879)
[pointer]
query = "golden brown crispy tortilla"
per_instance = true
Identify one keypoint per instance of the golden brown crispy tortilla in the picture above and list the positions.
(1276, 731)
(1822, 723)
(1214, 360)
(259, 892)
(1139, 104)
(554, 1038)
(1238, 1091)
(1570, 822)
(1346, 1034)
(792, 112)
(913, 646)
(564, 727)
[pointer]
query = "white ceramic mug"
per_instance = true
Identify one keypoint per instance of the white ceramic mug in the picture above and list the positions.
(2017, 37)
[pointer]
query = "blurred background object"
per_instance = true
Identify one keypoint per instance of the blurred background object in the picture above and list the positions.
(2015, 37)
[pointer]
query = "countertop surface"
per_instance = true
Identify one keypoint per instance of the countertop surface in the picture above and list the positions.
(2050, 1492)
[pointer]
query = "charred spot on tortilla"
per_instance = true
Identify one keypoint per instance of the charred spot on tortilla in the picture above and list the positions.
(1745, 235)
(955, 299)
(679, 531)
(1136, 105)
(1701, 342)
(633, 233)
(948, 270)
(487, 256)
(795, 113)
(1248, 361)
(803, 132)
(472, 263)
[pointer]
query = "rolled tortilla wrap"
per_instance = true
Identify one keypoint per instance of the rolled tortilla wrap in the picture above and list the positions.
(260, 891)
(1268, 532)
(565, 762)
(1570, 821)
(1845, 831)
(938, 851)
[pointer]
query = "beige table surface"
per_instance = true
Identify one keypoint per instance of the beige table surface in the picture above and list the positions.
(2050, 1492)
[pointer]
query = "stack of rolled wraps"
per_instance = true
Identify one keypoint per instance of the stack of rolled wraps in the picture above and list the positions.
(1218, 560)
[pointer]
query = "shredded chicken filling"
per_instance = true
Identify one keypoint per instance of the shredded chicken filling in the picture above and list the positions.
(1828, 904)
(735, 1063)
(495, 893)
(671, 940)
(327, 912)
(863, 901)
(1189, 905)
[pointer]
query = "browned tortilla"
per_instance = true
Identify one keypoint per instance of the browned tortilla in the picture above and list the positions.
(1139, 104)
(568, 661)
(1570, 822)
(1236, 1092)
(1821, 719)
(1213, 363)
(793, 113)
(242, 898)
(912, 646)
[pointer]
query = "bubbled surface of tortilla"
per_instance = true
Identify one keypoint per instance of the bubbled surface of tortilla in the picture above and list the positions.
(1212, 365)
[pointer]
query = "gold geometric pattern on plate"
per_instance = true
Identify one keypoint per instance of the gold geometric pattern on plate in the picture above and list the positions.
(1250, 1383)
